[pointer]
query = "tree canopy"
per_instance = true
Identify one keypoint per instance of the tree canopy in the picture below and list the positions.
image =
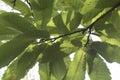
(48, 31)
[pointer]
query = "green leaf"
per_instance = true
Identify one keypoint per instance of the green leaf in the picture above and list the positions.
(13, 48)
(4, 30)
(17, 22)
(76, 69)
(42, 11)
(110, 52)
(23, 63)
(75, 22)
(52, 53)
(90, 56)
(115, 19)
(44, 71)
(99, 70)
(20, 6)
(67, 47)
(58, 69)
(58, 21)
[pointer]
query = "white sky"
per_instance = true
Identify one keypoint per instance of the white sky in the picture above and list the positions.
(114, 67)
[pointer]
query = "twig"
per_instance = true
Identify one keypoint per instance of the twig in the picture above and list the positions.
(14, 2)
(28, 3)
(89, 28)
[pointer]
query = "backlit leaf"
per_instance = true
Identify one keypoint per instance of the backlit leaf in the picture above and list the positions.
(58, 69)
(110, 52)
(60, 24)
(17, 22)
(23, 63)
(44, 71)
(12, 49)
(76, 69)
(20, 6)
(99, 70)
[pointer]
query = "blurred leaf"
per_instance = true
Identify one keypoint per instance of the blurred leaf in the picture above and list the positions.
(44, 71)
(58, 69)
(68, 47)
(60, 24)
(90, 56)
(4, 30)
(99, 70)
(110, 52)
(106, 3)
(13, 48)
(38, 34)
(75, 22)
(20, 6)
(17, 22)
(23, 63)
(76, 69)
(52, 53)
(42, 11)
(115, 19)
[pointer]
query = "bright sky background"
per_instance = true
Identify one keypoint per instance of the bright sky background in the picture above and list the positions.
(33, 75)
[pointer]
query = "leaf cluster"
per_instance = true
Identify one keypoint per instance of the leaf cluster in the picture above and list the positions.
(48, 31)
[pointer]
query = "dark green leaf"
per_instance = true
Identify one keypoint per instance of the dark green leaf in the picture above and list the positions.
(44, 71)
(23, 63)
(58, 69)
(75, 22)
(20, 6)
(60, 24)
(4, 30)
(110, 52)
(99, 70)
(90, 56)
(13, 48)
(42, 11)
(17, 22)
(115, 19)
(67, 47)
(53, 53)
(76, 69)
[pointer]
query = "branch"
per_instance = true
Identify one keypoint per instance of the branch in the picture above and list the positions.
(89, 28)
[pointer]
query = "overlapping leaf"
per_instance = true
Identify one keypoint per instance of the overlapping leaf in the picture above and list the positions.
(12, 49)
(23, 63)
(76, 69)
(42, 11)
(58, 21)
(110, 52)
(13, 20)
(44, 71)
(58, 70)
(99, 70)
(20, 6)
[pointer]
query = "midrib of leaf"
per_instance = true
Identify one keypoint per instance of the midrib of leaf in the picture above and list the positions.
(80, 59)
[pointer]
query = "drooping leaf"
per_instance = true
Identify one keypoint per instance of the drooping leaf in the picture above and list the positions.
(23, 63)
(68, 47)
(76, 69)
(4, 30)
(17, 22)
(90, 56)
(99, 70)
(20, 6)
(13, 48)
(110, 52)
(58, 70)
(44, 71)
(42, 11)
(52, 53)
(75, 22)
(58, 21)
(115, 19)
